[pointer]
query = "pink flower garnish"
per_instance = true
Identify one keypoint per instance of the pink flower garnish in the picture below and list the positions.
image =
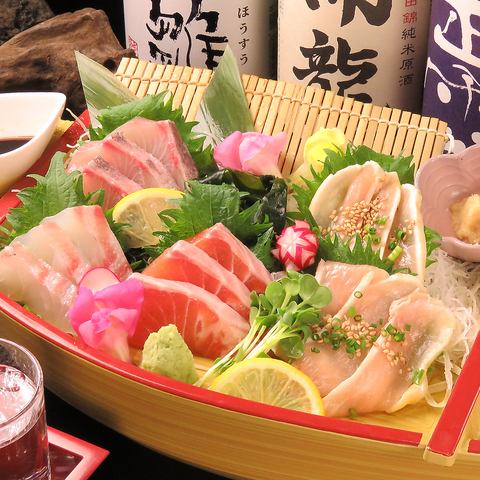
(251, 152)
(105, 319)
(296, 246)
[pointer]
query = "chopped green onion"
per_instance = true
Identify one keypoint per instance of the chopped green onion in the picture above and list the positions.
(316, 337)
(358, 294)
(352, 413)
(400, 234)
(376, 240)
(390, 329)
(381, 221)
(358, 318)
(417, 376)
(399, 337)
(408, 327)
(393, 257)
(352, 311)
(392, 246)
(315, 350)
(374, 325)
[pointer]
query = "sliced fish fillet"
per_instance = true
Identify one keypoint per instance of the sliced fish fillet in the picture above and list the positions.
(185, 262)
(220, 244)
(209, 326)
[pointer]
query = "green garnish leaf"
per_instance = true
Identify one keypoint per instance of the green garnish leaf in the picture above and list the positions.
(263, 251)
(433, 240)
(362, 253)
(203, 206)
(54, 192)
(157, 107)
(221, 116)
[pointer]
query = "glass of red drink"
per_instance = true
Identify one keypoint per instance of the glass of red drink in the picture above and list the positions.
(23, 429)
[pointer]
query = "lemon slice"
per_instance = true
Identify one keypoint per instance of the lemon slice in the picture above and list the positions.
(273, 382)
(139, 210)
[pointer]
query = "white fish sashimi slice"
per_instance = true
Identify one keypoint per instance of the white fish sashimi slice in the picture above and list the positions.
(100, 175)
(48, 243)
(371, 299)
(31, 281)
(385, 381)
(342, 280)
(87, 228)
(388, 197)
(331, 194)
(136, 164)
(409, 217)
(84, 154)
(163, 141)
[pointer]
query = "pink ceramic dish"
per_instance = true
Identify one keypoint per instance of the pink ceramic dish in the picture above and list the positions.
(442, 181)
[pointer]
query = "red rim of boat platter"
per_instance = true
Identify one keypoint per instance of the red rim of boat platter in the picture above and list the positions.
(444, 441)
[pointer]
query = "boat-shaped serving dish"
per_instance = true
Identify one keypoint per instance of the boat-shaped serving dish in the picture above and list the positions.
(234, 437)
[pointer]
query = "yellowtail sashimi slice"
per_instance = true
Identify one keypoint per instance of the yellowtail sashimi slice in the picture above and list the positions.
(409, 220)
(33, 282)
(342, 280)
(364, 314)
(393, 374)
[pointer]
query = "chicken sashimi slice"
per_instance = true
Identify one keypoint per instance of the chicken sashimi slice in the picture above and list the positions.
(185, 262)
(48, 243)
(136, 164)
(209, 326)
(84, 154)
(364, 314)
(393, 374)
(220, 244)
(342, 280)
(388, 198)
(100, 175)
(87, 228)
(163, 141)
(409, 220)
(33, 282)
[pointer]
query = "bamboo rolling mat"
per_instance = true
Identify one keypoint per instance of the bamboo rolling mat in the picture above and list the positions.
(298, 110)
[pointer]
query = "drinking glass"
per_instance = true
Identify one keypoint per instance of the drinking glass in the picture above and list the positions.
(23, 429)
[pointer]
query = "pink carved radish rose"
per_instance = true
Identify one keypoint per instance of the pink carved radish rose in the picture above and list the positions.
(296, 246)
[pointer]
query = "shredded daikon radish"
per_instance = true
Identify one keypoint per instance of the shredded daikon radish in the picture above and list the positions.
(457, 285)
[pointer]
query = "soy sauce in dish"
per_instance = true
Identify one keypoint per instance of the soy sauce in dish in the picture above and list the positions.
(9, 144)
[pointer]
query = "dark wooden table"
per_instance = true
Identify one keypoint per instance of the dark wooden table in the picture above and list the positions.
(127, 459)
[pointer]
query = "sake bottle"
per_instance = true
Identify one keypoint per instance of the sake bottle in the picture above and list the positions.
(370, 50)
(196, 32)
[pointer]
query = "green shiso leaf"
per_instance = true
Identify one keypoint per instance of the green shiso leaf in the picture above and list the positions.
(263, 251)
(337, 160)
(100, 86)
(157, 107)
(54, 192)
(362, 253)
(224, 107)
(203, 206)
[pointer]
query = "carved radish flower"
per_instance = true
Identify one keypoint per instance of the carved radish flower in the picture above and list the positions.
(296, 246)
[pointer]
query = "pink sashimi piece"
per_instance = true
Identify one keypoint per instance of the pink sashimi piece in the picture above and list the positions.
(227, 153)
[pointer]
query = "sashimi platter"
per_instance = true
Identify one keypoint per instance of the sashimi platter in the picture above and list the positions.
(183, 288)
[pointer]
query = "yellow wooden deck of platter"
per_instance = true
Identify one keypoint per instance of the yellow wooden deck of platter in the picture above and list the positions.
(226, 440)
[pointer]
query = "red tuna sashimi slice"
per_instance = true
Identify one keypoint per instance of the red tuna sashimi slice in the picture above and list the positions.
(31, 281)
(84, 154)
(209, 327)
(136, 164)
(163, 141)
(232, 254)
(48, 243)
(87, 228)
(185, 262)
(100, 175)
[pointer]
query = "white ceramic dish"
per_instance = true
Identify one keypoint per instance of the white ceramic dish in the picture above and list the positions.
(26, 114)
